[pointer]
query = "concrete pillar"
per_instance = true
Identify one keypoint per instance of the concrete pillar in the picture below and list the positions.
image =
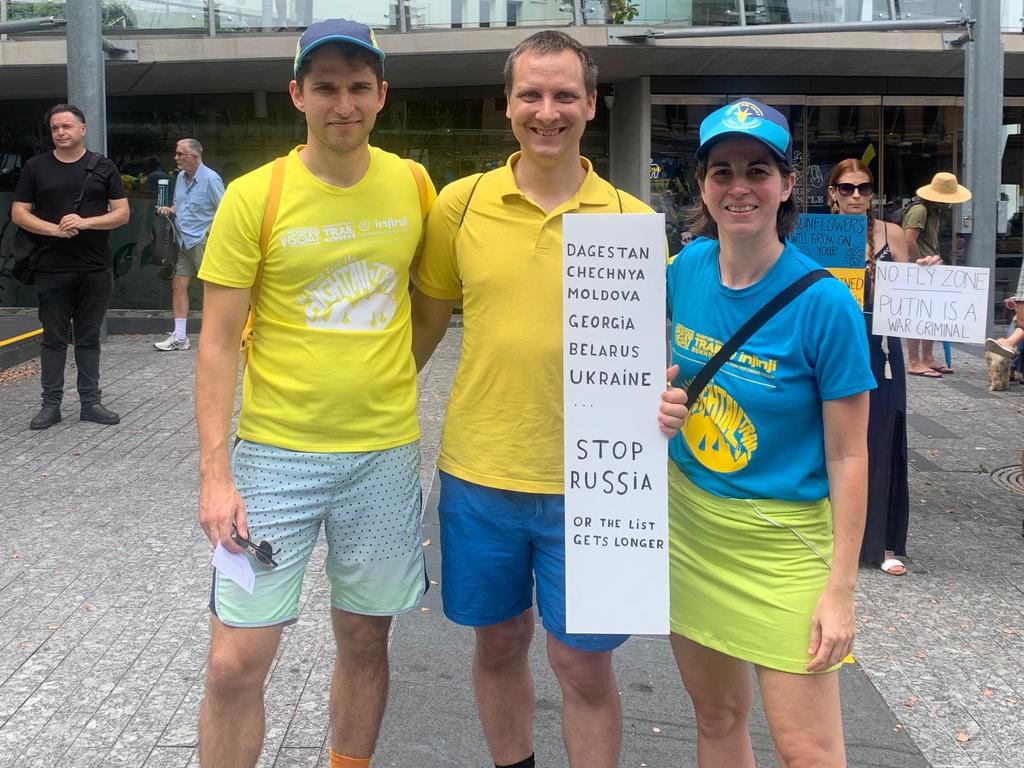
(630, 138)
(87, 88)
(983, 113)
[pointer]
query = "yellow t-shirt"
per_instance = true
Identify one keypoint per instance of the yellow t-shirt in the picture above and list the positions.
(331, 366)
(503, 428)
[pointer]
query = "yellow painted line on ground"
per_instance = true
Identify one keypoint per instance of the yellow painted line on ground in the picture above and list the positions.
(22, 337)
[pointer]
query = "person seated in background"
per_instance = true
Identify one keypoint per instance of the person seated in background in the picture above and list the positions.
(1009, 345)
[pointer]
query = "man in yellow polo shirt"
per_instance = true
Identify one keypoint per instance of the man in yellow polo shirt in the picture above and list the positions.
(495, 241)
(328, 433)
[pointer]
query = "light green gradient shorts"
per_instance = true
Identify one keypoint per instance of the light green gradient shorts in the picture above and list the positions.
(369, 505)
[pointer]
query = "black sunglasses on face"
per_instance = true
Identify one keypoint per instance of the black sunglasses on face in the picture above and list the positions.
(264, 552)
(866, 189)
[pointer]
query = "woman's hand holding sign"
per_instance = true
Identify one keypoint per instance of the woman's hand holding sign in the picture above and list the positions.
(672, 413)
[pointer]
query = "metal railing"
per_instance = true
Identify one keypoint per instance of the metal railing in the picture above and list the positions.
(211, 17)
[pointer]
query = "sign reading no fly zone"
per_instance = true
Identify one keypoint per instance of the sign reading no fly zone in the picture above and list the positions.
(941, 303)
(616, 494)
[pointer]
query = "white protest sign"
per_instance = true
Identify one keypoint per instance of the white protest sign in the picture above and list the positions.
(939, 303)
(616, 493)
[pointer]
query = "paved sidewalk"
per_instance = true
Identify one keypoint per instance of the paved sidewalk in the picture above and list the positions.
(104, 581)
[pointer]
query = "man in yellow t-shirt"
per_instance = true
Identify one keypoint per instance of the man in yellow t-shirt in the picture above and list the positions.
(495, 241)
(327, 432)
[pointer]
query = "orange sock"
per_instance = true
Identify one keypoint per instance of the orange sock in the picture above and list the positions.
(344, 761)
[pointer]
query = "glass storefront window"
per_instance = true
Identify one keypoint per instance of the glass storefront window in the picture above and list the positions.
(797, 11)
(904, 141)
(1012, 19)
(451, 135)
(491, 13)
(255, 15)
(675, 124)
(945, 9)
(836, 130)
(687, 13)
(1010, 210)
(921, 137)
(134, 15)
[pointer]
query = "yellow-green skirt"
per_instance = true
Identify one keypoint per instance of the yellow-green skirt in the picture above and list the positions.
(746, 574)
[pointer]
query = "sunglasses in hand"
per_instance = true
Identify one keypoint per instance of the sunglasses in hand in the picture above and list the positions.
(264, 552)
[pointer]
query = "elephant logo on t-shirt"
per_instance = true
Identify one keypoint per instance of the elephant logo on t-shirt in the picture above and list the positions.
(358, 296)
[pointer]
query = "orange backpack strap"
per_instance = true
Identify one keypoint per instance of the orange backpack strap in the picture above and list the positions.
(266, 227)
(421, 185)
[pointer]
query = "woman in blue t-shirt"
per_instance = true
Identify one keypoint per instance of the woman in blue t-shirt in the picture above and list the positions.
(768, 475)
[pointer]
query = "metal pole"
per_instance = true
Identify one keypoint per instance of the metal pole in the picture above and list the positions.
(87, 88)
(983, 113)
(577, 13)
(43, 24)
(87, 79)
(3, 17)
(804, 28)
(211, 16)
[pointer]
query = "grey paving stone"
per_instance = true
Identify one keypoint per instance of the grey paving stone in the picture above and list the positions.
(104, 582)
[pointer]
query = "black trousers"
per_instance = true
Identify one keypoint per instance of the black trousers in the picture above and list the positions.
(66, 298)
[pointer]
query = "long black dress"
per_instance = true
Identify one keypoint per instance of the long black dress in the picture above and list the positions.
(888, 485)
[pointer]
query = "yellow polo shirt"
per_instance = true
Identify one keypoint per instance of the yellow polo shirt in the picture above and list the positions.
(503, 428)
(331, 366)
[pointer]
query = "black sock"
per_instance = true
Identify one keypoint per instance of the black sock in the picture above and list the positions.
(527, 763)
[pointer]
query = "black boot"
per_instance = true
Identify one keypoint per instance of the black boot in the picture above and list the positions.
(48, 416)
(96, 412)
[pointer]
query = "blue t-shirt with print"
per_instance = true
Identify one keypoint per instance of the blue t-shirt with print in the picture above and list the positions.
(756, 432)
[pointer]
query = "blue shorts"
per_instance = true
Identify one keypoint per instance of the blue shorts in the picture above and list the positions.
(369, 506)
(493, 544)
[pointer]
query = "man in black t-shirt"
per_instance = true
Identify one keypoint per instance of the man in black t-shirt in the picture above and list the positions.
(70, 198)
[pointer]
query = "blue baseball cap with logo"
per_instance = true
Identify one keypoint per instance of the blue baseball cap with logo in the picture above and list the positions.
(751, 118)
(335, 31)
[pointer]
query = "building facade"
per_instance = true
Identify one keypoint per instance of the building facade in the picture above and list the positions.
(218, 70)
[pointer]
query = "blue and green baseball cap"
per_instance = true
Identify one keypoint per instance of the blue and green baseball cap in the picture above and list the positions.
(748, 117)
(335, 31)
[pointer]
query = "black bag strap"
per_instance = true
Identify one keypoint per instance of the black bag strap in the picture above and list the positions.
(90, 166)
(748, 329)
(469, 199)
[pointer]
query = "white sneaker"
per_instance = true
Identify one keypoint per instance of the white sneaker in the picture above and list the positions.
(172, 344)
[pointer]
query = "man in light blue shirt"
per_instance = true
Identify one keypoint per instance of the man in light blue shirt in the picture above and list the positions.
(197, 193)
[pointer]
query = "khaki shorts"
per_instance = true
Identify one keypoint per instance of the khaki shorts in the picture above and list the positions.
(189, 260)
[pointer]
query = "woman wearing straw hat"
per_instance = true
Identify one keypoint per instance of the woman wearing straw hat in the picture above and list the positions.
(767, 487)
(921, 224)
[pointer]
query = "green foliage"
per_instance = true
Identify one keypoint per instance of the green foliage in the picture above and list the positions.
(621, 11)
(113, 12)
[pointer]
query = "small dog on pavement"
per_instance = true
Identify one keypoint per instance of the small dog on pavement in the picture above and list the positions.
(998, 368)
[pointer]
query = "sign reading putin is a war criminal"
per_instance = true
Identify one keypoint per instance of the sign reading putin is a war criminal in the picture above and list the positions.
(940, 303)
(616, 505)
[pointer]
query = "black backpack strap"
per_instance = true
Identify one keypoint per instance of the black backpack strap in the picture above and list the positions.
(90, 166)
(469, 200)
(748, 329)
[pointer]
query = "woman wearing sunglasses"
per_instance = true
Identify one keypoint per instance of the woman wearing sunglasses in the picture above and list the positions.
(762, 563)
(850, 190)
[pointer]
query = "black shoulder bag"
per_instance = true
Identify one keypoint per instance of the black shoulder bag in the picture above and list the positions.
(28, 246)
(748, 329)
